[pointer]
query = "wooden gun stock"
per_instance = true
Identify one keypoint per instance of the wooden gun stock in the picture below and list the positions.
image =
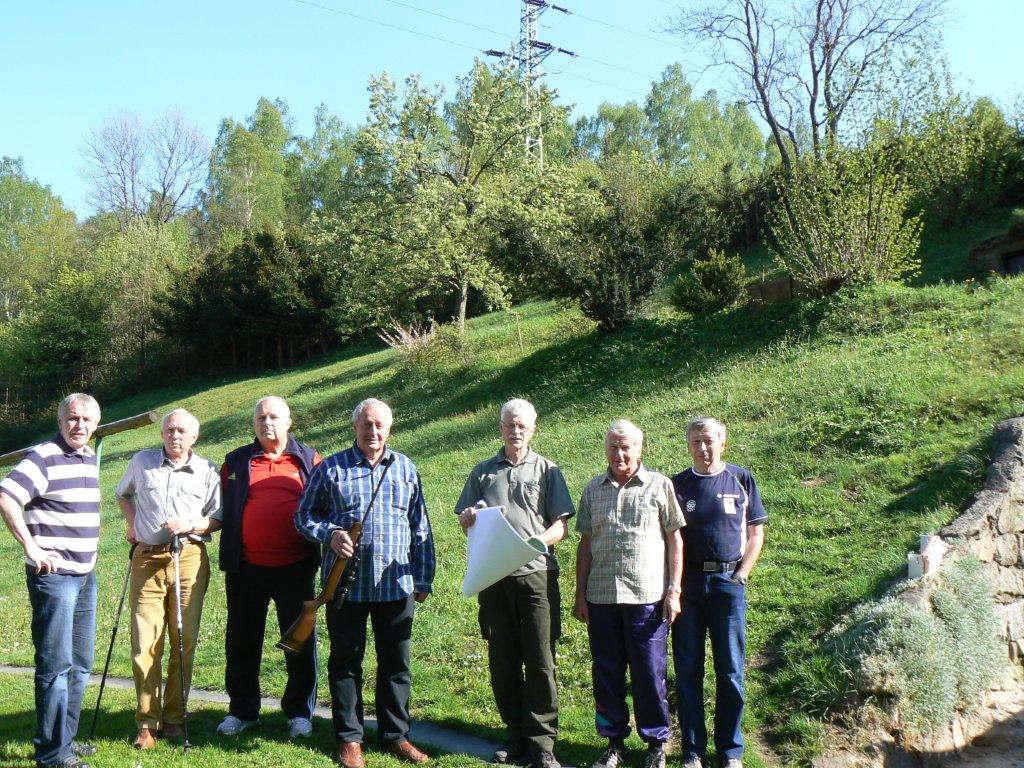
(298, 634)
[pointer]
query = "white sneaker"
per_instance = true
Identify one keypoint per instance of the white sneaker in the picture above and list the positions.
(692, 761)
(299, 728)
(733, 762)
(232, 726)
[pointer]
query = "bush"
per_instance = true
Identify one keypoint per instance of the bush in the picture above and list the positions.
(713, 283)
(843, 219)
(921, 664)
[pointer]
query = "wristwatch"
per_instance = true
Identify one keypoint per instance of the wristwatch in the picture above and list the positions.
(740, 579)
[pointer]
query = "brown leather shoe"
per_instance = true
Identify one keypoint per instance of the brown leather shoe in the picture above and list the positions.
(404, 750)
(144, 739)
(172, 731)
(349, 754)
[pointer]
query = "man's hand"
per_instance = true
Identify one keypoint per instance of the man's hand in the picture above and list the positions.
(45, 560)
(178, 526)
(670, 609)
(468, 516)
(129, 533)
(420, 597)
(342, 544)
(581, 610)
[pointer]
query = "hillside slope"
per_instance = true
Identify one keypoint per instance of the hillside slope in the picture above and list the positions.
(864, 418)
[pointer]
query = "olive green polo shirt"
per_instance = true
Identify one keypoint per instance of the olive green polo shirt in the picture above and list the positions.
(533, 493)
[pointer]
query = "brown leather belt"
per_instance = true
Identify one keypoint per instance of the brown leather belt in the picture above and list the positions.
(162, 549)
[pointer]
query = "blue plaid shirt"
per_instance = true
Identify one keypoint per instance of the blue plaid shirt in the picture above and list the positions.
(397, 548)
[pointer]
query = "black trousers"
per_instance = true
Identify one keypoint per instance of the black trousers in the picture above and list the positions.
(392, 635)
(249, 592)
(519, 618)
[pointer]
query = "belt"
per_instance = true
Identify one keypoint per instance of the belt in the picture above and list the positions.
(161, 549)
(713, 567)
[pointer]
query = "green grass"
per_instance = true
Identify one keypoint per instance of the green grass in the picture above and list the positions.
(865, 419)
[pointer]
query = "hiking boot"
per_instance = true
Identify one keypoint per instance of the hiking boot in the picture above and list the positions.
(543, 758)
(655, 757)
(173, 731)
(613, 757)
(67, 762)
(299, 728)
(692, 761)
(144, 739)
(511, 753)
(232, 726)
(83, 750)
(349, 754)
(733, 762)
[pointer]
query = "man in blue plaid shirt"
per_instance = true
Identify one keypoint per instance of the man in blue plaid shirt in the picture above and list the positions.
(395, 571)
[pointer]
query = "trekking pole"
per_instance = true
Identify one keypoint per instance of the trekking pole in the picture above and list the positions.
(110, 648)
(176, 556)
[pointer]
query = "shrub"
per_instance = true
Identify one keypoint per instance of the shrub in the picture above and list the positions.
(713, 283)
(429, 348)
(843, 219)
(918, 663)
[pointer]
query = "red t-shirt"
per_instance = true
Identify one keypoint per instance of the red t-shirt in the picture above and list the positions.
(269, 537)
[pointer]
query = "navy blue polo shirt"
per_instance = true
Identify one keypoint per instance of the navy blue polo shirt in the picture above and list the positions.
(718, 509)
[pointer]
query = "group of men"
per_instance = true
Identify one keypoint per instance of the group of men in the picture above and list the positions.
(656, 556)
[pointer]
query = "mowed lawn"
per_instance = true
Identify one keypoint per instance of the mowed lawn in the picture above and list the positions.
(865, 419)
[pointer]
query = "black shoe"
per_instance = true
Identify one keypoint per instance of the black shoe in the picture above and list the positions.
(511, 754)
(67, 762)
(83, 749)
(543, 758)
(655, 757)
(613, 757)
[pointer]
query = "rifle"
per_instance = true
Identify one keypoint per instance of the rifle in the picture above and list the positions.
(298, 634)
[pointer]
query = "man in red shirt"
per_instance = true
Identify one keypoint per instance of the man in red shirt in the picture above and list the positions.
(264, 558)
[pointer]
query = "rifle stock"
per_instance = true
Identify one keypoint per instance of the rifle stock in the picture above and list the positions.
(298, 634)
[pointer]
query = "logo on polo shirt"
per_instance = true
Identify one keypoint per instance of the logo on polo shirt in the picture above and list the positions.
(691, 505)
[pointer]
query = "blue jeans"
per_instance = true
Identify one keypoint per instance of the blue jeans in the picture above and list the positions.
(63, 625)
(715, 605)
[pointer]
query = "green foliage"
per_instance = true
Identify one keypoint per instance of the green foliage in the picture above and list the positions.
(62, 342)
(37, 237)
(712, 283)
(843, 219)
(922, 664)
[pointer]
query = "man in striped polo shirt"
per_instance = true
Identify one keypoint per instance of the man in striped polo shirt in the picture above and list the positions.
(51, 503)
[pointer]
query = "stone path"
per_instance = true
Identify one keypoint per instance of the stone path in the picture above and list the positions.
(420, 732)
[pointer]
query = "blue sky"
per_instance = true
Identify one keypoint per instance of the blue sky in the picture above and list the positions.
(68, 64)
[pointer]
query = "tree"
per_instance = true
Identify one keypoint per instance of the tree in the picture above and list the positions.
(135, 170)
(613, 130)
(248, 186)
(804, 64)
(37, 236)
(433, 184)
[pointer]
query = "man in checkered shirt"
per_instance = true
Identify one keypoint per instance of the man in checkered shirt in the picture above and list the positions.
(628, 567)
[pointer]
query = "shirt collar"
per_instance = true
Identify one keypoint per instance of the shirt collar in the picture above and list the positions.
(529, 458)
(67, 450)
(641, 476)
(361, 457)
(188, 465)
(289, 447)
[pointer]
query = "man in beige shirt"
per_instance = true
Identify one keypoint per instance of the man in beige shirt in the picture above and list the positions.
(628, 569)
(166, 493)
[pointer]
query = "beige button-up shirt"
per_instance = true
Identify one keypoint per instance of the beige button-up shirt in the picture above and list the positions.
(160, 491)
(627, 526)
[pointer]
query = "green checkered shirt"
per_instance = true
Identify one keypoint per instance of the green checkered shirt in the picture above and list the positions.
(626, 525)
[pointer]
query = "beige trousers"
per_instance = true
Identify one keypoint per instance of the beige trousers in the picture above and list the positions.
(153, 611)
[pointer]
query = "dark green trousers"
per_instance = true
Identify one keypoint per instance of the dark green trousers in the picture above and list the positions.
(520, 617)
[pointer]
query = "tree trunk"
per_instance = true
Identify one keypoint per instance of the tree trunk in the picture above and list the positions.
(463, 301)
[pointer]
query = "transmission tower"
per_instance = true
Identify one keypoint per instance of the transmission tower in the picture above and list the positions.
(529, 55)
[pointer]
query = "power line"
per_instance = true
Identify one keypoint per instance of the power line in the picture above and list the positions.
(625, 29)
(385, 24)
(448, 18)
(601, 82)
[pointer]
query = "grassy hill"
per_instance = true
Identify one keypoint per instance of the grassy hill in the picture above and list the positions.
(865, 419)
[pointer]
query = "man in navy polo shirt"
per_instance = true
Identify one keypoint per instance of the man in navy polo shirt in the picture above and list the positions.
(721, 541)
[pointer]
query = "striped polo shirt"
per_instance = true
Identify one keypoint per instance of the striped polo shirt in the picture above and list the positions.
(59, 490)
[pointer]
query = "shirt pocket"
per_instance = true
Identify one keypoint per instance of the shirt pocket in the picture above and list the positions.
(527, 494)
(641, 516)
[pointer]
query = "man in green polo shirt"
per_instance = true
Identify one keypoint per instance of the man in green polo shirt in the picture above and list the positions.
(520, 615)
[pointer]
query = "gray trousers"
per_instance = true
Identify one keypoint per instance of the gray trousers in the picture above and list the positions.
(520, 617)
